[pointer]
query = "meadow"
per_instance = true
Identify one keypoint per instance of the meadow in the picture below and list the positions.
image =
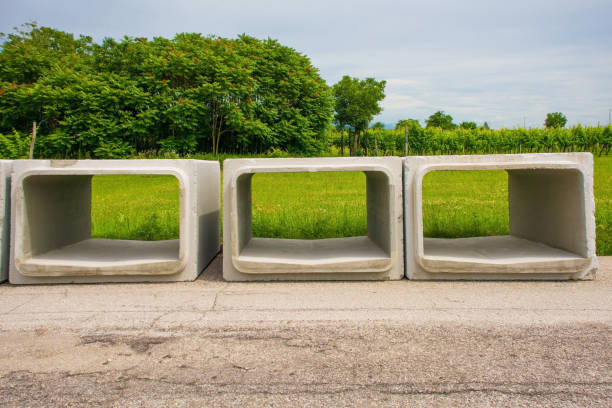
(142, 207)
(328, 205)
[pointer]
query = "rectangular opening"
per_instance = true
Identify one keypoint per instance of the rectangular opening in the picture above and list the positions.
(83, 224)
(143, 207)
(465, 203)
(309, 205)
(313, 222)
(528, 220)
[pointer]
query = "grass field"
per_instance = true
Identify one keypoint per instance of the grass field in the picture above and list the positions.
(326, 205)
(144, 207)
(603, 204)
(309, 205)
(465, 204)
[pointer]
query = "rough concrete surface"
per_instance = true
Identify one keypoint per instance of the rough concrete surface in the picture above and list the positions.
(393, 343)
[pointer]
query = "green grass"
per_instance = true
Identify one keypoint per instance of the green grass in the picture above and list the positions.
(309, 205)
(603, 204)
(326, 205)
(465, 203)
(141, 207)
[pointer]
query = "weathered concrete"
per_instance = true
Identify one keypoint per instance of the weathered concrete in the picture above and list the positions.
(339, 364)
(320, 344)
(51, 233)
(211, 302)
(552, 223)
(5, 210)
(375, 257)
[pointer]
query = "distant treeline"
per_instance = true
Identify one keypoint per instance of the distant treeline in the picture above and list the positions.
(190, 94)
(197, 96)
(433, 140)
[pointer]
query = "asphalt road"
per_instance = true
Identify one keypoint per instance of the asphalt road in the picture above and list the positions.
(212, 343)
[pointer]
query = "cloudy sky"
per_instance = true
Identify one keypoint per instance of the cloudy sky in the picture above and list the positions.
(504, 62)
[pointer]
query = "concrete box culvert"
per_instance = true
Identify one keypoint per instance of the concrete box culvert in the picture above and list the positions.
(377, 256)
(51, 224)
(551, 216)
(5, 209)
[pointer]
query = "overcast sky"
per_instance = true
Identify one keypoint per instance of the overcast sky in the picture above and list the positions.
(505, 62)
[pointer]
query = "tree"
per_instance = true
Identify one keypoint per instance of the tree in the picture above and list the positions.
(485, 126)
(468, 125)
(357, 101)
(378, 126)
(406, 123)
(555, 120)
(188, 94)
(31, 51)
(605, 140)
(441, 120)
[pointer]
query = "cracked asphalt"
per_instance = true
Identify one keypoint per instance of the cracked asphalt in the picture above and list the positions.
(212, 343)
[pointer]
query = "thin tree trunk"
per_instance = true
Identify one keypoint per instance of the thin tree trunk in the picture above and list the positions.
(214, 124)
(219, 135)
(342, 142)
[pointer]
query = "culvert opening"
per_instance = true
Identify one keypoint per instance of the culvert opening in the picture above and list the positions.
(517, 220)
(143, 207)
(313, 221)
(465, 203)
(309, 205)
(79, 224)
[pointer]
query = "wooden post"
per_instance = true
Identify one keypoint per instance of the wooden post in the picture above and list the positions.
(33, 140)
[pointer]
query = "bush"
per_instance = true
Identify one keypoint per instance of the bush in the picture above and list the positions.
(14, 145)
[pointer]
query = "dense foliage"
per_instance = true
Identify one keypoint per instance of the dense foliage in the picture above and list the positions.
(434, 140)
(196, 95)
(184, 95)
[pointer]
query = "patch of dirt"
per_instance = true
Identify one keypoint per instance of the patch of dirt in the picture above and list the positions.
(138, 344)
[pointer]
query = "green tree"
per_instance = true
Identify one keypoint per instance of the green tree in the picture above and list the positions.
(468, 125)
(406, 123)
(441, 120)
(187, 94)
(555, 120)
(31, 51)
(605, 140)
(378, 126)
(357, 101)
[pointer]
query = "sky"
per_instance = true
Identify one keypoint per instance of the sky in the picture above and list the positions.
(505, 62)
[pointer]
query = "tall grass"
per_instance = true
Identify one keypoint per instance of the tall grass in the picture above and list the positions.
(465, 203)
(603, 204)
(309, 205)
(140, 207)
